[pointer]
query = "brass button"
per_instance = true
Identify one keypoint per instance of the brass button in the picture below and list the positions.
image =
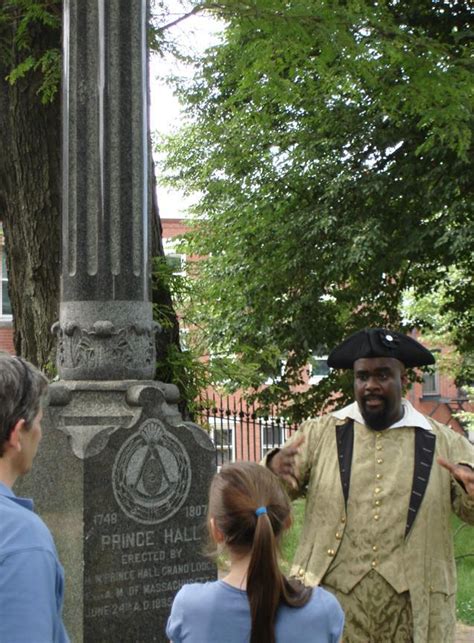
(379, 476)
(377, 490)
(378, 436)
(376, 517)
(379, 460)
(301, 572)
(379, 447)
(338, 535)
(331, 552)
(374, 563)
(343, 520)
(374, 548)
(377, 503)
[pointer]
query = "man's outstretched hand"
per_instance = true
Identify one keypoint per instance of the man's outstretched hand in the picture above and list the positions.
(461, 472)
(283, 464)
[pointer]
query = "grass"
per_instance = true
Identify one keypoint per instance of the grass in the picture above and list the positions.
(464, 553)
(463, 548)
(291, 538)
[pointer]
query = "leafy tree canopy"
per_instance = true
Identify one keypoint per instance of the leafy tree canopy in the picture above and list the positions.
(20, 23)
(330, 144)
(444, 324)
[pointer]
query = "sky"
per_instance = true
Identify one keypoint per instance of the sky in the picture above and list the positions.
(194, 34)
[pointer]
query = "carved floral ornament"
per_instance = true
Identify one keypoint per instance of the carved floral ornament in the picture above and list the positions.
(131, 346)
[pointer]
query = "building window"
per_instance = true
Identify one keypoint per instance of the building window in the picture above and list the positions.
(317, 368)
(183, 337)
(273, 434)
(6, 311)
(175, 260)
(222, 433)
(430, 385)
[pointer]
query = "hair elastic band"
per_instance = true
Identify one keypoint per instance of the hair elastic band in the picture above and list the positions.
(260, 511)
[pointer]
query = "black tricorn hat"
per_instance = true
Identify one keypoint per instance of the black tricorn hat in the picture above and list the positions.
(379, 342)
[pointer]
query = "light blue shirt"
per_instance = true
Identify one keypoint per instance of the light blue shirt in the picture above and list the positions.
(31, 577)
(219, 613)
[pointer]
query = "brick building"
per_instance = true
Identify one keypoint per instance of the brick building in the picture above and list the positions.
(236, 428)
(6, 333)
(437, 396)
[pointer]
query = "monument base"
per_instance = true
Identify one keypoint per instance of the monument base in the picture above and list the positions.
(122, 482)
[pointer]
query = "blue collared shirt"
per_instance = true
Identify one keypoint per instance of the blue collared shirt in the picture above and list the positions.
(31, 577)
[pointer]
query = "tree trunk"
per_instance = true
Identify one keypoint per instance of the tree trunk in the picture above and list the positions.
(161, 295)
(30, 204)
(166, 369)
(30, 136)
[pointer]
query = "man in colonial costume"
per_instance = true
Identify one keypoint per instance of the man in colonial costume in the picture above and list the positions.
(381, 481)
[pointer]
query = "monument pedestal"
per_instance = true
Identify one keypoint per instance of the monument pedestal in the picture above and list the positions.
(126, 500)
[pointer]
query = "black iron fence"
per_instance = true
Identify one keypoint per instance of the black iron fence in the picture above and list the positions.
(240, 431)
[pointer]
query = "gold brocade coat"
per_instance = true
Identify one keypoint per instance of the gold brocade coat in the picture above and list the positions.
(427, 552)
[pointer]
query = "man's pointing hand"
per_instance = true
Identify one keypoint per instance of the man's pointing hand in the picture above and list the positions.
(283, 464)
(460, 472)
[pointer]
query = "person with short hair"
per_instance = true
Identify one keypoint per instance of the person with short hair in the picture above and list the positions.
(248, 512)
(381, 481)
(31, 577)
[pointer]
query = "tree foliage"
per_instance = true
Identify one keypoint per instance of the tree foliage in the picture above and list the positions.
(30, 193)
(467, 417)
(444, 325)
(330, 144)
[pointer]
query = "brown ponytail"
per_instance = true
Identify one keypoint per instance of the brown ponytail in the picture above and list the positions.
(236, 493)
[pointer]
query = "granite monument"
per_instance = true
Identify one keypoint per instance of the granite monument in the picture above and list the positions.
(121, 479)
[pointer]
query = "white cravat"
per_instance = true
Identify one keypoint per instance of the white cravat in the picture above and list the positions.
(411, 417)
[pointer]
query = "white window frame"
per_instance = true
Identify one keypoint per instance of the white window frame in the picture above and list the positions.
(217, 423)
(169, 248)
(265, 446)
(183, 337)
(315, 379)
(3, 283)
(433, 374)
(434, 378)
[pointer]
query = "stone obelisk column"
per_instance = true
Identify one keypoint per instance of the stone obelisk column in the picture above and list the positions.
(120, 478)
(105, 329)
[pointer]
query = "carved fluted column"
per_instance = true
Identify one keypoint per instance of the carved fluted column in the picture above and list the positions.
(105, 330)
(120, 479)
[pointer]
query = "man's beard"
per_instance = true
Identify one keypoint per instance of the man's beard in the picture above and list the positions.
(377, 419)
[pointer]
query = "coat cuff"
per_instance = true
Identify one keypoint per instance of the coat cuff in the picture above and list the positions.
(269, 457)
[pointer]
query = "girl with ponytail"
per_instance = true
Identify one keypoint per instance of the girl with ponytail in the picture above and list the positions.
(255, 603)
